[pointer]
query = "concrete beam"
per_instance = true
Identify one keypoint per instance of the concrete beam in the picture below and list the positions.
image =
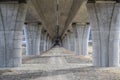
(74, 9)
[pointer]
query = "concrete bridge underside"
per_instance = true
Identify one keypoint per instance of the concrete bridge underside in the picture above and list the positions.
(76, 18)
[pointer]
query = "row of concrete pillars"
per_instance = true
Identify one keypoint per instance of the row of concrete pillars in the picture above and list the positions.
(105, 27)
(12, 19)
(37, 39)
(77, 39)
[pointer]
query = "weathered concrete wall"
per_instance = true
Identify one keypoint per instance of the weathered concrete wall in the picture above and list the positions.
(105, 26)
(33, 31)
(12, 16)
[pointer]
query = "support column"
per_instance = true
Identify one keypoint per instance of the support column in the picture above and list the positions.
(83, 35)
(105, 26)
(45, 41)
(68, 41)
(76, 38)
(33, 38)
(63, 42)
(72, 41)
(12, 16)
(42, 41)
(48, 43)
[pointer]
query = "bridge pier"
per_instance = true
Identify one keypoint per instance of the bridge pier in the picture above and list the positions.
(105, 27)
(65, 42)
(12, 16)
(33, 31)
(72, 41)
(68, 41)
(83, 31)
(76, 39)
(81, 34)
(42, 41)
(45, 42)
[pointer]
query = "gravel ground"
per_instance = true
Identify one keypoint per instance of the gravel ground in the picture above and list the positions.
(59, 64)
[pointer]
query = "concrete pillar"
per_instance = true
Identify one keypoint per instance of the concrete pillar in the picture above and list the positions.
(76, 39)
(105, 26)
(68, 41)
(42, 41)
(66, 46)
(49, 43)
(83, 35)
(72, 41)
(33, 38)
(12, 16)
(63, 42)
(40, 34)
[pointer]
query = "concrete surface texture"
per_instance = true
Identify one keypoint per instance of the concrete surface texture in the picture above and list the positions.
(42, 42)
(47, 12)
(76, 38)
(83, 34)
(72, 43)
(33, 33)
(105, 27)
(12, 17)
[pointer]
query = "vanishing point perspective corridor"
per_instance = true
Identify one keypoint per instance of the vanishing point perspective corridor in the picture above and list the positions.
(59, 39)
